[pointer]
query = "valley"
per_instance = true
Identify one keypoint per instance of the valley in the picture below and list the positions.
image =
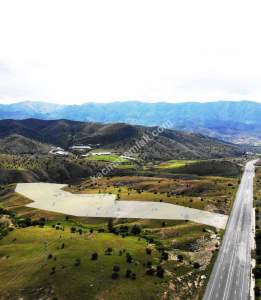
(108, 222)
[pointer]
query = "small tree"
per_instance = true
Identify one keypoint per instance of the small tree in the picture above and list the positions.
(180, 258)
(114, 275)
(164, 255)
(136, 229)
(116, 268)
(150, 271)
(148, 251)
(110, 225)
(77, 262)
(160, 272)
(94, 256)
(128, 273)
(129, 258)
(73, 229)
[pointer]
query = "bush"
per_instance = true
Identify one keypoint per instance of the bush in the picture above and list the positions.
(180, 258)
(135, 229)
(77, 262)
(129, 258)
(128, 273)
(196, 265)
(150, 271)
(257, 272)
(148, 251)
(160, 272)
(94, 256)
(73, 229)
(164, 255)
(114, 275)
(116, 268)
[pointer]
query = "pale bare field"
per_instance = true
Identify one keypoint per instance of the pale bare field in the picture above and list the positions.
(52, 197)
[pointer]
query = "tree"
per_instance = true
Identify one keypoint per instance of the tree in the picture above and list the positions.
(150, 271)
(77, 262)
(196, 265)
(94, 256)
(128, 273)
(180, 258)
(148, 251)
(114, 275)
(129, 258)
(110, 225)
(116, 268)
(160, 272)
(135, 229)
(164, 255)
(73, 229)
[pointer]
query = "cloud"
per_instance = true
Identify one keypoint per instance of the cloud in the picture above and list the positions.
(76, 51)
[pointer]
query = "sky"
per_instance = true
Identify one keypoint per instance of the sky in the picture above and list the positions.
(76, 51)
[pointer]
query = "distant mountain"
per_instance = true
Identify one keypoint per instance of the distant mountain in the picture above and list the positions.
(120, 137)
(237, 122)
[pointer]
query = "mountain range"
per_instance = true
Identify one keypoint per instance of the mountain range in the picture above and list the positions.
(37, 136)
(236, 122)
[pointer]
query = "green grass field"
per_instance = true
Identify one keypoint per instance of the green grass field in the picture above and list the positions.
(28, 268)
(172, 164)
(109, 158)
(27, 272)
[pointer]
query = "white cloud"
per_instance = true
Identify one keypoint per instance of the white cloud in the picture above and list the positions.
(77, 51)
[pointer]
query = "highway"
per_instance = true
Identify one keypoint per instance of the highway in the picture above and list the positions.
(230, 277)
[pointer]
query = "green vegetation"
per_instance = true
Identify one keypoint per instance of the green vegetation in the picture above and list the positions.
(222, 167)
(208, 193)
(101, 258)
(43, 252)
(110, 158)
(172, 164)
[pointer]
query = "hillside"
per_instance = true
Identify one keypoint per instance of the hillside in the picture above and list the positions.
(17, 144)
(121, 137)
(237, 122)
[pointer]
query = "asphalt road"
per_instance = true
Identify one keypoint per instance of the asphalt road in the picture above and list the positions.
(230, 277)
